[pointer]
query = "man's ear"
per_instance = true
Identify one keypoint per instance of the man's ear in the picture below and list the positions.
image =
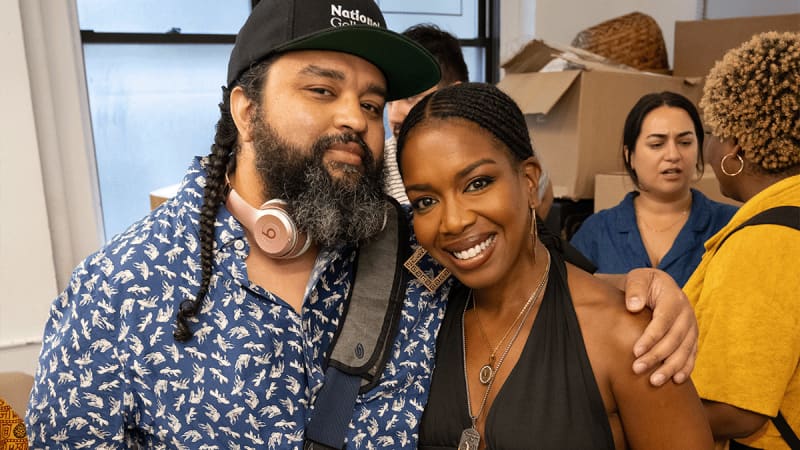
(531, 170)
(242, 111)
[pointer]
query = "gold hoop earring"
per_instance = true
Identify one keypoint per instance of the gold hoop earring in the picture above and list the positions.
(722, 165)
(431, 283)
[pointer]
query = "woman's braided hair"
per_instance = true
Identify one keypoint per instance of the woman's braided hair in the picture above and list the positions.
(220, 161)
(486, 106)
(753, 96)
(480, 103)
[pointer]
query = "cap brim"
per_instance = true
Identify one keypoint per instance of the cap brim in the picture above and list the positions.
(409, 68)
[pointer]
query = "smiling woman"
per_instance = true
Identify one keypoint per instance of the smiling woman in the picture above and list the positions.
(528, 329)
(664, 222)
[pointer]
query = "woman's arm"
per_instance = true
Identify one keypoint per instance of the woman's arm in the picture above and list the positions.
(667, 417)
(669, 343)
(728, 422)
(670, 416)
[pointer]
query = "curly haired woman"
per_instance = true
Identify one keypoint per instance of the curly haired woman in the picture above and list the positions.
(745, 292)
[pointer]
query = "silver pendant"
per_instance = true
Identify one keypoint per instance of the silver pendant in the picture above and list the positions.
(470, 438)
(486, 374)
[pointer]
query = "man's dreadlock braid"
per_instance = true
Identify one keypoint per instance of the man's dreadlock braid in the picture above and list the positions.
(220, 160)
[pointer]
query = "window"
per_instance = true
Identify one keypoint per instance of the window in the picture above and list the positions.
(473, 22)
(154, 71)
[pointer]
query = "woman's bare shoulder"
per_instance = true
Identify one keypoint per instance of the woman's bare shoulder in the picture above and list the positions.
(601, 311)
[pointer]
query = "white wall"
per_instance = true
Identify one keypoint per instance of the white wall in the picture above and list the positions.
(47, 187)
(560, 21)
(27, 273)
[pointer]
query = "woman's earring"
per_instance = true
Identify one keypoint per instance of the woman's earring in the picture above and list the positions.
(534, 233)
(732, 174)
(431, 283)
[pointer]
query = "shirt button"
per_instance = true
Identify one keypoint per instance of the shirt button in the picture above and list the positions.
(238, 245)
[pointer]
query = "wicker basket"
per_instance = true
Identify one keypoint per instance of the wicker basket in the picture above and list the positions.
(634, 39)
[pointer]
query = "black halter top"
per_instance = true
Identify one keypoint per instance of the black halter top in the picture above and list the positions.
(549, 401)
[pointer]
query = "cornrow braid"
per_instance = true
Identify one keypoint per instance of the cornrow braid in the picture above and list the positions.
(486, 106)
(480, 103)
(221, 160)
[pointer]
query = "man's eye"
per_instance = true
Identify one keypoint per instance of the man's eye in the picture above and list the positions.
(375, 109)
(321, 91)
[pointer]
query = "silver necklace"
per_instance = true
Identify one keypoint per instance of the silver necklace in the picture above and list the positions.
(470, 438)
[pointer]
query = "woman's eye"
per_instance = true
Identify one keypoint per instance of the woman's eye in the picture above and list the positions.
(479, 183)
(422, 203)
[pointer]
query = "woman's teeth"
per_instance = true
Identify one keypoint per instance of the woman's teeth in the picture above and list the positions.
(474, 251)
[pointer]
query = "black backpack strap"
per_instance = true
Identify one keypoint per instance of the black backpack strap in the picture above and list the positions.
(364, 339)
(788, 216)
(786, 431)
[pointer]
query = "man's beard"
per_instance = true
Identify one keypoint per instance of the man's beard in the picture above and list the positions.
(333, 211)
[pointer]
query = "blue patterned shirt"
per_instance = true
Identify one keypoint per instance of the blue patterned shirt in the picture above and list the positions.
(111, 375)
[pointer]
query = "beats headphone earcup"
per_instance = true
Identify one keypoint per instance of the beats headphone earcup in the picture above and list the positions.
(276, 233)
(273, 228)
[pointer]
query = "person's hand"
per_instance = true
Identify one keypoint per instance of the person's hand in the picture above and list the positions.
(669, 342)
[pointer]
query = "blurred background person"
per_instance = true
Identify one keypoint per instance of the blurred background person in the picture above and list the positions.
(447, 51)
(664, 222)
(746, 292)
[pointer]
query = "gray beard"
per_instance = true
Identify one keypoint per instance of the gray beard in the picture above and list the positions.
(333, 211)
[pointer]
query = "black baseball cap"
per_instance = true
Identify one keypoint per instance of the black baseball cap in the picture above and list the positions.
(356, 27)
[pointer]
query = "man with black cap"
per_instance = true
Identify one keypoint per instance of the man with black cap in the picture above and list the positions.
(209, 323)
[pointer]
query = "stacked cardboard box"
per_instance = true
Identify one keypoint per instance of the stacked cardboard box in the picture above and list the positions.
(700, 43)
(610, 188)
(575, 116)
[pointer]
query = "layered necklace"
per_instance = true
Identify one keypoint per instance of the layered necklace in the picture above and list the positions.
(470, 438)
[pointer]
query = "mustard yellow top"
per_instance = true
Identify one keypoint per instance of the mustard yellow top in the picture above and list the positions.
(746, 296)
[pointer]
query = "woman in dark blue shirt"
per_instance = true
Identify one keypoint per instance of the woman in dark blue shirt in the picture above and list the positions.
(663, 223)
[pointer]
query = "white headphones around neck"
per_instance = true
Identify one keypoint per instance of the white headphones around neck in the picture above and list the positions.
(273, 228)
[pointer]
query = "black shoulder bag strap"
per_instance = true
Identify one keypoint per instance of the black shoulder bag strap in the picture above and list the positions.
(364, 339)
(788, 216)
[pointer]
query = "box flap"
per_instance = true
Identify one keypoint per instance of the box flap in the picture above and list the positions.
(538, 53)
(535, 55)
(537, 93)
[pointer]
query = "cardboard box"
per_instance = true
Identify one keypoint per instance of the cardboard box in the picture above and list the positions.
(700, 43)
(162, 194)
(575, 116)
(610, 188)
